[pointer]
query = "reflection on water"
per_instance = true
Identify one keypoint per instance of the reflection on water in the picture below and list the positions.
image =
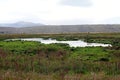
(77, 43)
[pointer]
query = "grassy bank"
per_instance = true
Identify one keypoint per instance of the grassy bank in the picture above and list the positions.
(67, 36)
(57, 59)
(27, 60)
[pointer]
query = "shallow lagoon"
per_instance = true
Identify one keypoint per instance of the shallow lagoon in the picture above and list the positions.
(76, 43)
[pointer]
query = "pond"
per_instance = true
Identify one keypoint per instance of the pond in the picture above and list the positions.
(77, 43)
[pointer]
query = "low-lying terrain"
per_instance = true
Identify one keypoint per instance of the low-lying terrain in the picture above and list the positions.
(29, 60)
(53, 29)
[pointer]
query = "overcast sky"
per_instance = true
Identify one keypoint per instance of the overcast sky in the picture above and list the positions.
(60, 11)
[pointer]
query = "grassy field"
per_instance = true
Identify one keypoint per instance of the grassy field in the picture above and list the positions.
(27, 60)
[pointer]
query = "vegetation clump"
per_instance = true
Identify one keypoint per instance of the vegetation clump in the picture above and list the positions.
(24, 60)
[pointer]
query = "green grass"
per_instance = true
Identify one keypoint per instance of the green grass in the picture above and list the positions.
(90, 53)
(53, 58)
(22, 60)
(19, 46)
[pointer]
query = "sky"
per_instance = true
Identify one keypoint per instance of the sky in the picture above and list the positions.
(59, 12)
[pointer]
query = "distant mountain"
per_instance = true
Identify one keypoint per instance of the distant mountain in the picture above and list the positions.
(70, 29)
(52, 29)
(8, 30)
(21, 24)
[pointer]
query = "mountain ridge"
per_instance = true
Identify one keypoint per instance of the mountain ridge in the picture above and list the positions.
(53, 29)
(20, 24)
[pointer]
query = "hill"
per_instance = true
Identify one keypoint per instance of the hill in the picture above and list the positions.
(71, 28)
(45, 29)
(21, 24)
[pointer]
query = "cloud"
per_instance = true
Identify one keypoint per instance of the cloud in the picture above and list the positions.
(80, 3)
(114, 20)
(73, 22)
(60, 11)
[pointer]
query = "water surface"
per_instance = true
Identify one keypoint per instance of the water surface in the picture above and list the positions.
(77, 43)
